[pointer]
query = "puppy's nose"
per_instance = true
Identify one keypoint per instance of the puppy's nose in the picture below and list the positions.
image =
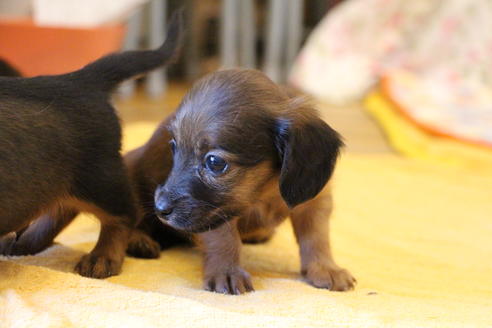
(163, 207)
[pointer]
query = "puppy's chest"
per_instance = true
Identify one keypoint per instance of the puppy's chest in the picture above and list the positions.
(267, 214)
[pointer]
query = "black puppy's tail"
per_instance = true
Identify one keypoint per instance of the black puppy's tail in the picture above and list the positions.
(8, 70)
(106, 73)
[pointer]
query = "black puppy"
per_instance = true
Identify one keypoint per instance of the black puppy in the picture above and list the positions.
(60, 154)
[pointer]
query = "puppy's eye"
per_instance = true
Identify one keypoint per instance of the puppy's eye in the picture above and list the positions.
(215, 164)
(172, 143)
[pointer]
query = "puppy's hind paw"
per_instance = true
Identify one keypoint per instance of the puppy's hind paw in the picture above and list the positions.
(142, 246)
(22, 243)
(7, 243)
(234, 281)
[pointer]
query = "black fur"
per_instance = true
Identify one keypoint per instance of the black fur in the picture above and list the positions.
(60, 143)
(8, 70)
(107, 72)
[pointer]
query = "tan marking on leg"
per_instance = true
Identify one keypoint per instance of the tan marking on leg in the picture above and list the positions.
(221, 256)
(311, 227)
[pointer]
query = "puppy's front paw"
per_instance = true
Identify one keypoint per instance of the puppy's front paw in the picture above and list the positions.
(329, 276)
(98, 266)
(233, 281)
(142, 246)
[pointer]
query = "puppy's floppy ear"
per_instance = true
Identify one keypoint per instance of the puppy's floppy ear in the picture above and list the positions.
(308, 150)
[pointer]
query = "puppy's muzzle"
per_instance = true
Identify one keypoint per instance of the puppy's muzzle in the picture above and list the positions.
(163, 207)
(163, 210)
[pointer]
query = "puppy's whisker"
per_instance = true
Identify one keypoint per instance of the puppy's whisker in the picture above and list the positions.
(148, 206)
(152, 180)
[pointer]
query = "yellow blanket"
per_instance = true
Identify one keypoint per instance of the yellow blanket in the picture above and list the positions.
(411, 140)
(416, 235)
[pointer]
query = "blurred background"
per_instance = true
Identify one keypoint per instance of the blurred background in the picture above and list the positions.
(388, 74)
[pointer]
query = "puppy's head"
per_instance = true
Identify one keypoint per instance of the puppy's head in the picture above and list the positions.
(234, 133)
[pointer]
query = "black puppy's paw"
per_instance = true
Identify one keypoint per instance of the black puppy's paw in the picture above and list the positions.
(233, 281)
(98, 266)
(7, 243)
(142, 246)
(22, 243)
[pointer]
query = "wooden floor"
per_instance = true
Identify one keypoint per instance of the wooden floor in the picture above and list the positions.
(360, 132)
(142, 108)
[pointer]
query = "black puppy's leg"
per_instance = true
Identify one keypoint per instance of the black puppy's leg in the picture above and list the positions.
(106, 258)
(6, 242)
(106, 193)
(39, 235)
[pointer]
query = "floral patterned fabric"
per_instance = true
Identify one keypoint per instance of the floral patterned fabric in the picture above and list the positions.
(435, 57)
(463, 112)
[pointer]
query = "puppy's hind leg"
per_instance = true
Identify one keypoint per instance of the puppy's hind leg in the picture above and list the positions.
(151, 236)
(106, 258)
(106, 193)
(141, 245)
(39, 235)
(258, 237)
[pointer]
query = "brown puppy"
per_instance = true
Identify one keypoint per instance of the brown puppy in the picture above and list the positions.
(239, 156)
(59, 155)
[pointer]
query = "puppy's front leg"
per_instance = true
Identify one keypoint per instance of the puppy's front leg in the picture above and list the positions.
(221, 270)
(311, 227)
